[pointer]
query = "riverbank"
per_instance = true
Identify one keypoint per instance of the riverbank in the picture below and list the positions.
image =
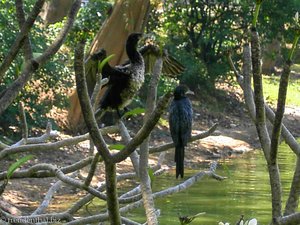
(235, 135)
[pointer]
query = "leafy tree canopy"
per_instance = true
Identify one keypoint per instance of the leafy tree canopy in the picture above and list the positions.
(52, 83)
(201, 32)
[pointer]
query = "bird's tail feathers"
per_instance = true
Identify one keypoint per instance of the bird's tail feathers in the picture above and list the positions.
(179, 159)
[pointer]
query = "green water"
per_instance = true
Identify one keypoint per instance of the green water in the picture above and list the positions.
(246, 191)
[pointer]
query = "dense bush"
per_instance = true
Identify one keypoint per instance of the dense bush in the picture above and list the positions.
(52, 84)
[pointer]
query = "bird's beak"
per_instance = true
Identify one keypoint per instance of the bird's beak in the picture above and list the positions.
(189, 92)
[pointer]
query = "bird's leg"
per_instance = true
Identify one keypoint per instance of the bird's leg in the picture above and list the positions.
(125, 109)
(119, 113)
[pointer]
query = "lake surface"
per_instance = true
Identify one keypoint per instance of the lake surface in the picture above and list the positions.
(245, 192)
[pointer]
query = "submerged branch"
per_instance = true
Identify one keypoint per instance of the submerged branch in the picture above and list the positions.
(178, 188)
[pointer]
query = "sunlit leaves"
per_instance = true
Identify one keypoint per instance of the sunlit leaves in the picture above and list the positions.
(135, 112)
(118, 147)
(17, 165)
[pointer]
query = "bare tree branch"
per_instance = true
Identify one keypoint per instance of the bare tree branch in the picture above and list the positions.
(290, 219)
(293, 199)
(92, 170)
(54, 217)
(144, 148)
(167, 146)
(145, 130)
(21, 19)
(38, 170)
(134, 157)
(178, 188)
(24, 126)
(47, 199)
(87, 109)
(260, 121)
(281, 99)
(42, 147)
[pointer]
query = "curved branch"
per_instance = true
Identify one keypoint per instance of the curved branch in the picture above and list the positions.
(86, 106)
(145, 130)
(38, 170)
(49, 217)
(44, 146)
(171, 190)
(202, 135)
(21, 20)
(290, 219)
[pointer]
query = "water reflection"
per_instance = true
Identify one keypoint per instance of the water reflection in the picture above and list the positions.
(246, 191)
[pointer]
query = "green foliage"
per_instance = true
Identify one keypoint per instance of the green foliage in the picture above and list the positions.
(275, 17)
(104, 61)
(135, 112)
(118, 147)
(271, 84)
(151, 176)
(89, 20)
(51, 84)
(17, 165)
(163, 122)
(201, 32)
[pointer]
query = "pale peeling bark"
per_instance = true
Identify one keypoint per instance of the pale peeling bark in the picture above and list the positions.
(127, 17)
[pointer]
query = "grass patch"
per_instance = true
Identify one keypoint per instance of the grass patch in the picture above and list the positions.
(271, 85)
(296, 68)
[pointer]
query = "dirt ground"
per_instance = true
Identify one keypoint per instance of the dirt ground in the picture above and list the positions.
(235, 135)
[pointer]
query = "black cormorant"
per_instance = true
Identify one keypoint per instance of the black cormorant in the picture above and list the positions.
(180, 122)
(124, 81)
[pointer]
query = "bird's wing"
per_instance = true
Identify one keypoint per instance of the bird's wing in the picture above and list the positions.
(186, 120)
(173, 122)
(116, 74)
(171, 67)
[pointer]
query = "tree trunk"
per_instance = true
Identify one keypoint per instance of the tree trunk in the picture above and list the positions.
(55, 10)
(127, 17)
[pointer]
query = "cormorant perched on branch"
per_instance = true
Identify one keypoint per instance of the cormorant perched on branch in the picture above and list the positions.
(124, 81)
(180, 122)
(150, 52)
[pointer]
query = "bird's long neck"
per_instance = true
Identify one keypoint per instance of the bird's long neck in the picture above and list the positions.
(133, 54)
(180, 97)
